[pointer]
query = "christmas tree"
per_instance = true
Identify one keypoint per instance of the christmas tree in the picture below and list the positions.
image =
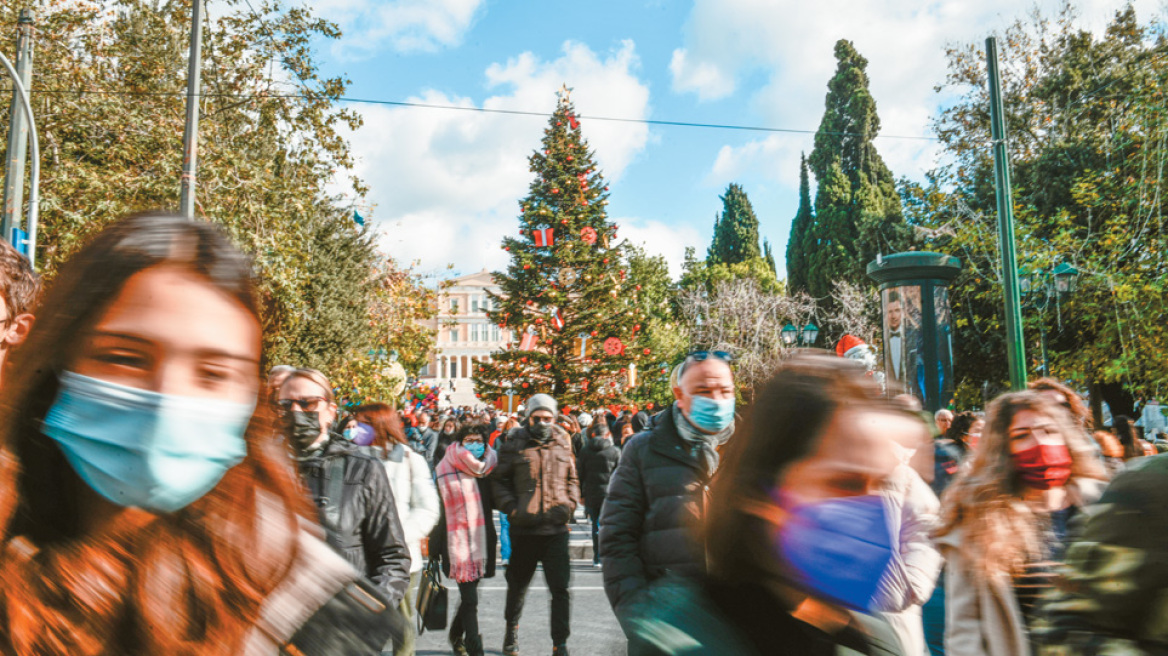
(565, 296)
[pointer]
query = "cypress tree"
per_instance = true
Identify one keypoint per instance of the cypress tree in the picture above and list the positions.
(801, 227)
(769, 255)
(735, 230)
(857, 209)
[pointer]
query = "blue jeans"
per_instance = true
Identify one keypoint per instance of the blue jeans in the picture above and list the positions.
(505, 536)
(933, 617)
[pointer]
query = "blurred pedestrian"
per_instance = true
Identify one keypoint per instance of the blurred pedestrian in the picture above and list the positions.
(1111, 597)
(19, 288)
(572, 427)
(447, 434)
(352, 494)
(1112, 451)
(1133, 446)
(414, 494)
(1005, 518)
(595, 465)
(465, 540)
(423, 439)
(798, 535)
(536, 486)
(1064, 397)
(943, 418)
(143, 507)
(658, 490)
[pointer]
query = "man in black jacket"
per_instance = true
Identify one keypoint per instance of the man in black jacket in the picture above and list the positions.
(657, 493)
(351, 491)
(536, 487)
(595, 465)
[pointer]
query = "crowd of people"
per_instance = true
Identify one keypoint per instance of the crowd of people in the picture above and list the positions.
(160, 495)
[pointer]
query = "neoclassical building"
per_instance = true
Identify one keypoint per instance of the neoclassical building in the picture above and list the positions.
(465, 334)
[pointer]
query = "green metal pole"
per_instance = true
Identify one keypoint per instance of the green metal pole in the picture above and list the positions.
(1015, 352)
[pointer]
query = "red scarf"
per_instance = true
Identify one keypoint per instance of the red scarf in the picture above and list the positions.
(466, 534)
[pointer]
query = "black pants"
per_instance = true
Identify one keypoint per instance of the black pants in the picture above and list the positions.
(594, 507)
(527, 551)
(466, 620)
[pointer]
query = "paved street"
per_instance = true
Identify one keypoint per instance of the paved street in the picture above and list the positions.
(595, 631)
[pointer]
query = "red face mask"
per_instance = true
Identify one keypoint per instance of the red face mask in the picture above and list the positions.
(1044, 466)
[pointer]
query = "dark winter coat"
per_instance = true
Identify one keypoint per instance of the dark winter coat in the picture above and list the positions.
(368, 533)
(655, 499)
(441, 441)
(438, 543)
(424, 440)
(535, 483)
(595, 465)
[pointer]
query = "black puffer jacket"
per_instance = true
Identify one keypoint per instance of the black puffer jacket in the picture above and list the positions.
(655, 498)
(595, 465)
(368, 533)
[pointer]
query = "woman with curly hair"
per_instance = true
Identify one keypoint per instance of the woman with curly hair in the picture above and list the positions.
(1004, 522)
(144, 508)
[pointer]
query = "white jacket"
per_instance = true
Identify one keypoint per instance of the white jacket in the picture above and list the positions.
(415, 496)
(913, 514)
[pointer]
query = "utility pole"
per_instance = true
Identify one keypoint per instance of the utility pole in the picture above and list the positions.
(17, 134)
(1015, 352)
(191, 132)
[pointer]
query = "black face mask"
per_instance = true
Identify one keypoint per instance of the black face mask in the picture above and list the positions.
(303, 428)
(540, 430)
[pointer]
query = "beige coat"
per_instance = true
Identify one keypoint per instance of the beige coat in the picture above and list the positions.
(982, 616)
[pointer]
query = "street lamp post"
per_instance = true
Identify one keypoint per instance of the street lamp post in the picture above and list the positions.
(1042, 287)
(805, 337)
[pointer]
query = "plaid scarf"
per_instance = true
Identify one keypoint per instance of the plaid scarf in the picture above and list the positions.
(466, 533)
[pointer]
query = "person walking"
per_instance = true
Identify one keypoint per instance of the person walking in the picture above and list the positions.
(1004, 522)
(536, 486)
(595, 464)
(797, 533)
(658, 490)
(447, 435)
(352, 494)
(466, 537)
(144, 507)
(414, 494)
(423, 439)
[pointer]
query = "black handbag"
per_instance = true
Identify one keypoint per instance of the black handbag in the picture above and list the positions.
(432, 599)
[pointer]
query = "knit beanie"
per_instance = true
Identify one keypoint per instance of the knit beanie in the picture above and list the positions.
(540, 402)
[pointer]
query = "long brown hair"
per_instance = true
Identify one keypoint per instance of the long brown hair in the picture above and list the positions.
(189, 582)
(999, 531)
(783, 425)
(387, 427)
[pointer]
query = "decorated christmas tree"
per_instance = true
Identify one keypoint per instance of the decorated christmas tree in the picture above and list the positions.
(566, 296)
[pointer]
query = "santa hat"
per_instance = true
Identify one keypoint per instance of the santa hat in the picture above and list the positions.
(849, 345)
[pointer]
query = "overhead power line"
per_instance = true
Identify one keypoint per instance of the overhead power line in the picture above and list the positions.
(485, 110)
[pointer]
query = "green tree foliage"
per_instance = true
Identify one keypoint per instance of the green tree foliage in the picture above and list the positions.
(109, 96)
(797, 243)
(581, 278)
(735, 230)
(1087, 123)
(857, 209)
(698, 274)
(665, 336)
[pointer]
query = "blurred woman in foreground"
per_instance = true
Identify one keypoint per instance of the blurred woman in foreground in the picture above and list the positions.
(143, 509)
(1004, 522)
(798, 535)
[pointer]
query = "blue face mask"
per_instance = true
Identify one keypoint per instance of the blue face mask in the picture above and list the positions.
(710, 415)
(143, 449)
(477, 449)
(838, 549)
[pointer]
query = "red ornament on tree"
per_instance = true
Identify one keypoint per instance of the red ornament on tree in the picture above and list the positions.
(547, 366)
(526, 266)
(588, 235)
(570, 158)
(555, 190)
(613, 346)
(525, 384)
(646, 351)
(594, 333)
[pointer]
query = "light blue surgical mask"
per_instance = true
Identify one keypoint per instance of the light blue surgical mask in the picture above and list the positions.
(711, 415)
(143, 449)
(477, 449)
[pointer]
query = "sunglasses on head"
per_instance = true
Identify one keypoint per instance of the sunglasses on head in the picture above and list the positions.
(698, 356)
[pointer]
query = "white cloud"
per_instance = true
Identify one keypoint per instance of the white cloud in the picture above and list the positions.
(402, 25)
(657, 238)
(446, 183)
(791, 44)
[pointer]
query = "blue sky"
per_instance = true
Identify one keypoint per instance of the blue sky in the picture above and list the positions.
(445, 183)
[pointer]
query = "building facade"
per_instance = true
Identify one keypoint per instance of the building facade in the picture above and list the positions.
(465, 334)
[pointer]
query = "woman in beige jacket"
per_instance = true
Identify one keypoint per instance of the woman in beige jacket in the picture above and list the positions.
(1003, 522)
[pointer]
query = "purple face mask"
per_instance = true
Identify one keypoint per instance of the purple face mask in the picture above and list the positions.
(838, 549)
(361, 434)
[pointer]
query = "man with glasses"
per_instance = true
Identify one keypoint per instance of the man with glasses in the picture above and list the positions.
(657, 493)
(350, 489)
(536, 487)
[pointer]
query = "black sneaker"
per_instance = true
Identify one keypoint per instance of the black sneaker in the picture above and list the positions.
(511, 641)
(560, 650)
